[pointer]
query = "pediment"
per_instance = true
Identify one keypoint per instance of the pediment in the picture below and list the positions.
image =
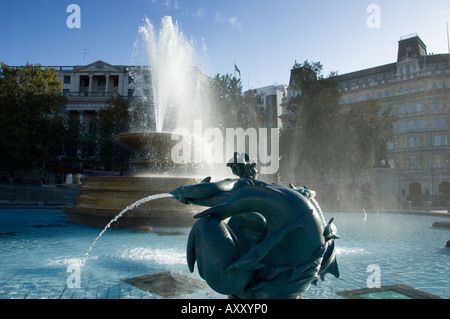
(408, 60)
(98, 66)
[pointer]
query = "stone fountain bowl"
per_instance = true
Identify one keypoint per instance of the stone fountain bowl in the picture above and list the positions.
(154, 147)
(101, 198)
(154, 142)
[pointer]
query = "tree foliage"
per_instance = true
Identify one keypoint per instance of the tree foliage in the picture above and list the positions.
(30, 98)
(112, 120)
(324, 138)
(233, 108)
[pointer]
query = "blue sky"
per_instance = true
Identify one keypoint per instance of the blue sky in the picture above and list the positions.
(264, 38)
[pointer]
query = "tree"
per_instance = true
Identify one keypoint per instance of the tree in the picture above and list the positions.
(232, 107)
(112, 120)
(30, 98)
(316, 119)
(362, 123)
(324, 138)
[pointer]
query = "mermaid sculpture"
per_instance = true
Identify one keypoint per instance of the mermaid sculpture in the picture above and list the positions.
(258, 240)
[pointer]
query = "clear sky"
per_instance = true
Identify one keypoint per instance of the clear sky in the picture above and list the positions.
(264, 38)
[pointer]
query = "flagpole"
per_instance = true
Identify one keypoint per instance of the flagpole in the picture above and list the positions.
(448, 42)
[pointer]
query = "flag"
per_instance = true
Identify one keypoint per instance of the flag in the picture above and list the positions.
(237, 70)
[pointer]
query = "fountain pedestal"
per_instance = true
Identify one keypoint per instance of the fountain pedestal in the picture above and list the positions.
(383, 195)
(101, 198)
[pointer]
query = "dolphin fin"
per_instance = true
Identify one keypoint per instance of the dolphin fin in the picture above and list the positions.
(191, 251)
(332, 269)
(206, 179)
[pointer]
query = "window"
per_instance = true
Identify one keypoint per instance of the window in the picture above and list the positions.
(419, 124)
(411, 125)
(446, 140)
(387, 93)
(436, 122)
(401, 109)
(116, 83)
(419, 107)
(445, 122)
(66, 79)
(437, 140)
(410, 108)
(418, 143)
(411, 142)
(435, 105)
(390, 145)
(402, 126)
(66, 92)
(412, 161)
(434, 86)
(418, 88)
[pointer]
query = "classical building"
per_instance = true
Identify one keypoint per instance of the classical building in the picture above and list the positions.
(88, 87)
(417, 89)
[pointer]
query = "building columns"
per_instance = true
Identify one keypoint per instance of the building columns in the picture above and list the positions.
(90, 83)
(107, 84)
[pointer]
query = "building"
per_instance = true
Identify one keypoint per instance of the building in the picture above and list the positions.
(271, 104)
(89, 87)
(417, 88)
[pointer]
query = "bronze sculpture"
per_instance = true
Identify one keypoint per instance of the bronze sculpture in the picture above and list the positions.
(258, 240)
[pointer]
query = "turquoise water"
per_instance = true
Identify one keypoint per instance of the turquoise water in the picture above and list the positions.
(40, 253)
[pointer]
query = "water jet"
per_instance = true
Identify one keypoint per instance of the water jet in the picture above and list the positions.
(169, 94)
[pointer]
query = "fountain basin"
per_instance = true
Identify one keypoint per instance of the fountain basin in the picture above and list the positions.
(102, 198)
(157, 144)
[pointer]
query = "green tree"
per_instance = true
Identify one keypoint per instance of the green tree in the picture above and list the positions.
(232, 107)
(325, 138)
(227, 95)
(30, 98)
(112, 120)
(311, 143)
(361, 124)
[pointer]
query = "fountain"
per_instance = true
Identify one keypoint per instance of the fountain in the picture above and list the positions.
(258, 240)
(173, 98)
